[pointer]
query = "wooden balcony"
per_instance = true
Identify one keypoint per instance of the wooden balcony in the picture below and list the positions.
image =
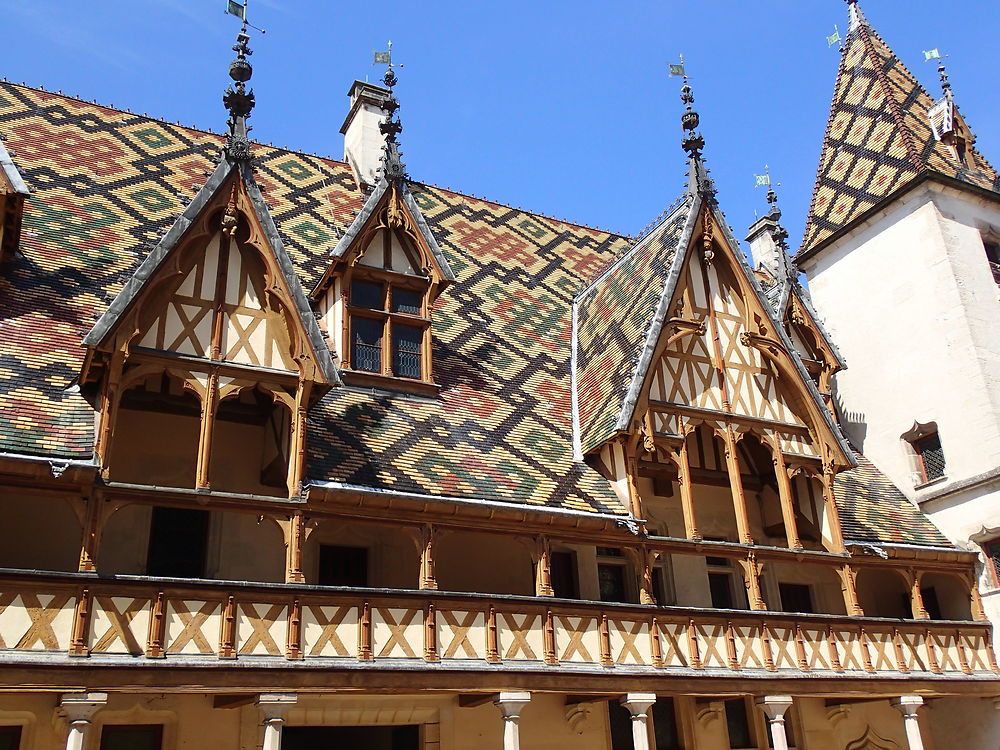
(71, 619)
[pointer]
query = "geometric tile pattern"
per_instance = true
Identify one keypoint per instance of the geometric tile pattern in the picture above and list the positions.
(613, 319)
(878, 138)
(106, 187)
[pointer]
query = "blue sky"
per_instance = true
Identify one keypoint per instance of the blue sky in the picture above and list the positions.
(560, 107)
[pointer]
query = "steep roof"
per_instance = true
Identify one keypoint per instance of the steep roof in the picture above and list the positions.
(878, 139)
(613, 318)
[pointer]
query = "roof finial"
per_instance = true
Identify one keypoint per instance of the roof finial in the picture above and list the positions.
(778, 232)
(855, 15)
(238, 100)
(392, 164)
(693, 142)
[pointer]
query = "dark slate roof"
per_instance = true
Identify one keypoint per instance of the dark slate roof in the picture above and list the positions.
(872, 509)
(613, 318)
(878, 139)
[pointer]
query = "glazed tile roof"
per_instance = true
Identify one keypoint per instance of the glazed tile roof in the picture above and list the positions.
(878, 139)
(614, 315)
(106, 187)
(872, 509)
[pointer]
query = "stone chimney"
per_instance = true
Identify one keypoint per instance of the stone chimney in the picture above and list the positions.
(763, 248)
(363, 141)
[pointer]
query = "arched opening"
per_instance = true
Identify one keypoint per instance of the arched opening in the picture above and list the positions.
(710, 487)
(38, 533)
(884, 593)
(946, 596)
(760, 483)
(808, 502)
(251, 548)
(250, 448)
(802, 588)
(483, 563)
(155, 439)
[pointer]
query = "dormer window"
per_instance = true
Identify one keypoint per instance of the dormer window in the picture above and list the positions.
(377, 295)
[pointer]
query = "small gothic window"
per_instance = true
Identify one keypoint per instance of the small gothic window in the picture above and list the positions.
(992, 549)
(992, 248)
(930, 456)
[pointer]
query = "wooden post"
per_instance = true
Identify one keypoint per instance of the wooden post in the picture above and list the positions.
(293, 643)
(428, 574)
(227, 638)
(297, 444)
(975, 600)
(543, 566)
(208, 408)
(646, 559)
(913, 577)
(786, 497)
(430, 633)
(90, 541)
(830, 512)
(80, 636)
(751, 576)
(736, 486)
(492, 642)
(365, 633)
(296, 535)
(110, 399)
(687, 499)
(848, 586)
(157, 626)
(632, 479)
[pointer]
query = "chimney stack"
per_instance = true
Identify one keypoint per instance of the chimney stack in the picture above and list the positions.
(363, 141)
(764, 250)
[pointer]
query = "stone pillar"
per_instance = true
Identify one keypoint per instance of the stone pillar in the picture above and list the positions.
(272, 708)
(510, 705)
(908, 705)
(77, 709)
(774, 708)
(638, 704)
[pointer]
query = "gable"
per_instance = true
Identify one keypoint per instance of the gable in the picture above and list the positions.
(219, 287)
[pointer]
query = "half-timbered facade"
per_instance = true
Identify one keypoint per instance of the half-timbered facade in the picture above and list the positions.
(316, 454)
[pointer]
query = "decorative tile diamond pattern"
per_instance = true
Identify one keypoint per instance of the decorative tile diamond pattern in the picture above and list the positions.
(878, 138)
(613, 318)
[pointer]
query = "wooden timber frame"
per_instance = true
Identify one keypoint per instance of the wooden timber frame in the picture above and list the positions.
(392, 218)
(120, 361)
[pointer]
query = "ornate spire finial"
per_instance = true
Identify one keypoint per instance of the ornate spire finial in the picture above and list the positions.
(855, 15)
(692, 142)
(238, 100)
(392, 164)
(779, 234)
(943, 75)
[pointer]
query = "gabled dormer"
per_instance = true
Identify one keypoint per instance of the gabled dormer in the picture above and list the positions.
(13, 193)
(210, 354)
(377, 295)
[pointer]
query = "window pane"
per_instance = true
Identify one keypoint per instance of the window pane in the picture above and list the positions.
(612, 583)
(406, 344)
(665, 725)
(621, 726)
(562, 571)
(367, 294)
(721, 590)
(406, 300)
(738, 724)
(931, 455)
(131, 737)
(342, 566)
(993, 550)
(366, 352)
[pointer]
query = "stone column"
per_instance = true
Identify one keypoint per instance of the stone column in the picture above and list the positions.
(908, 705)
(272, 708)
(638, 704)
(774, 708)
(77, 709)
(510, 705)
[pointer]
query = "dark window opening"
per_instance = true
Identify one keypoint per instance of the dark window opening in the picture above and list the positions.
(343, 566)
(931, 604)
(366, 350)
(367, 294)
(720, 587)
(132, 737)
(620, 721)
(406, 356)
(406, 301)
(993, 553)
(738, 724)
(665, 733)
(178, 541)
(562, 571)
(611, 581)
(10, 738)
(993, 257)
(406, 737)
(661, 590)
(796, 597)
(930, 456)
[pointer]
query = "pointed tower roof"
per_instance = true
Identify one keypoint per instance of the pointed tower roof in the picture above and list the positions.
(879, 139)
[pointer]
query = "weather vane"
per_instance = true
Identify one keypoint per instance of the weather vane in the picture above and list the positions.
(238, 9)
(677, 69)
(385, 58)
(763, 180)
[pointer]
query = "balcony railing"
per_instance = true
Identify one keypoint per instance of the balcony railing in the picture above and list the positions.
(147, 622)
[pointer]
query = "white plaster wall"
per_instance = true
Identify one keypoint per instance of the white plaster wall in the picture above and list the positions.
(910, 302)
(363, 142)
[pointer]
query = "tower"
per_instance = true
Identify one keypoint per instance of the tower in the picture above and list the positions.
(900, 250)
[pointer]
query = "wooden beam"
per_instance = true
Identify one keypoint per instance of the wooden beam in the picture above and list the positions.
(233, 701)
(477, 699)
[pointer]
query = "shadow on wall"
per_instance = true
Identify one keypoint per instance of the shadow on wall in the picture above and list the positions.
(853, 423)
